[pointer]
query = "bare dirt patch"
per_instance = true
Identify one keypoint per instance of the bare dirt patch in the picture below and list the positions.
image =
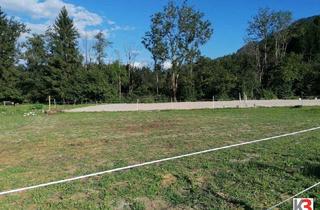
(168, 179)
(150, 204)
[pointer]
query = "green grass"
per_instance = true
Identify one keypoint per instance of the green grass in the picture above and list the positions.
(43, 148)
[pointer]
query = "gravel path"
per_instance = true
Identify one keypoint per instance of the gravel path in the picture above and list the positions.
(195, 105)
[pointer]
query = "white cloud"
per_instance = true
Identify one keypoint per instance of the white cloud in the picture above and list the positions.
(140, 65)
(90, 34)
(110, 22)
(167, 65)
(136, 52)
(46, 11)
(122, 28)
(127, 28)
(49, 9)
(37, 28)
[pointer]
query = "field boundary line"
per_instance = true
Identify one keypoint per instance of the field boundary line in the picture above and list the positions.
(154, 161)
(299, 193)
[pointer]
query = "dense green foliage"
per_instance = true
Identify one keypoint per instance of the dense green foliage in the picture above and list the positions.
(280, 60)
(176, 35)
(10, 31)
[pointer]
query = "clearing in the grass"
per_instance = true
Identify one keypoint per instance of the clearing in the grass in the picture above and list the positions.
(40, 148)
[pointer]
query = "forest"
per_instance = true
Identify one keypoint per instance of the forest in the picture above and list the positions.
(280, 59)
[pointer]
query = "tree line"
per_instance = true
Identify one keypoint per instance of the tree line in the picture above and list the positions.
(281, 59)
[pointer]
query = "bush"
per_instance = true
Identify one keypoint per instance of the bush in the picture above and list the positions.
(268, 94)
(38, 106)
(136, 205)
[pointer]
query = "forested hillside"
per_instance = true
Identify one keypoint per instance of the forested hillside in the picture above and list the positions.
(281, 59)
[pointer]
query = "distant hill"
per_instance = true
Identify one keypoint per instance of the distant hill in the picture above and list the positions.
(305, 20)
(304, 37)
(296, 73)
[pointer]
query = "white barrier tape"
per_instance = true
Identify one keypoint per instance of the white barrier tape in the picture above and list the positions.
(305, 190)
(153, 162)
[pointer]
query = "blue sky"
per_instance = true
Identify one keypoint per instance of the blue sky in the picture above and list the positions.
(125, 21)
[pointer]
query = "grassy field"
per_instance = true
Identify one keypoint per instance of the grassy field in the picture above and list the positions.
(42, 148)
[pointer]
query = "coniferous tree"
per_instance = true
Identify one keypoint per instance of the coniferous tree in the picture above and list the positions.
(37, 81)
(65, 58)
(10, 30)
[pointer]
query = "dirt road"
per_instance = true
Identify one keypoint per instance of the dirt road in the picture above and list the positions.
(195, 105)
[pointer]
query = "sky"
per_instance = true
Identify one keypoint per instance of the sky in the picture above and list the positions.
(124, 22)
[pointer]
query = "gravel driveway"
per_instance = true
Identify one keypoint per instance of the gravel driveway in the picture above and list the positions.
(195, 105)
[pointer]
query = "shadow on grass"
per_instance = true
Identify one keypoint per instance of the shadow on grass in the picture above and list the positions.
(312, 169)
(265, 166)
(234, 201)
(227, 198)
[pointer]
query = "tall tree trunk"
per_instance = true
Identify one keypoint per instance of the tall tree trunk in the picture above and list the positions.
(130, 83)
(157, 78)
(157, 75)
(174, 85)
(129, 79)
(192, 86)
(193, 83)
(264, 66)
(265, 55)
(258, 64)
(284, 49)
(277, 49)
(119, 86)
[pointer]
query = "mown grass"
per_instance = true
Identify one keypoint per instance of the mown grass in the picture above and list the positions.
(42, 148)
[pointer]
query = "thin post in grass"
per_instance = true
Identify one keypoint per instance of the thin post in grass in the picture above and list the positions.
(49, 103)
(212, 102)
(301, 102)
(137, 104)
(171, 104)
(245, 98)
